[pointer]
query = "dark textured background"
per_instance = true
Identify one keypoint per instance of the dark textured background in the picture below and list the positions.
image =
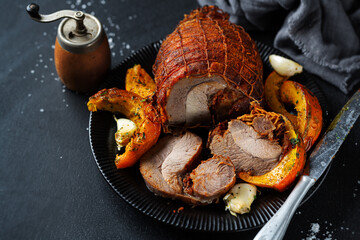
(50, 186)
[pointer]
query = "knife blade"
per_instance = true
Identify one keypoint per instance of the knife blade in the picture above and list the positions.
(334, 136)
(320, 158)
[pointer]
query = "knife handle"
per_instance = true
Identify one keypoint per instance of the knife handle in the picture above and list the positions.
(276, 227)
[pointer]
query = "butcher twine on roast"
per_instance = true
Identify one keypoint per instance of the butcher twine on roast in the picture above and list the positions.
(206, 67)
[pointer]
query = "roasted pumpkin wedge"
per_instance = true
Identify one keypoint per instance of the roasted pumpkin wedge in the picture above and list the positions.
(289, 167)
(272, 95)
(280, 92)
(309, 113)
(140, 82)
(135, 108)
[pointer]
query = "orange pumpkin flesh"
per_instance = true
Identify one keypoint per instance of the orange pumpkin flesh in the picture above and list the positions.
(137, 110)
(309, 113)
(272, 95)
(308, 121)
(288, 168)
(139, 81)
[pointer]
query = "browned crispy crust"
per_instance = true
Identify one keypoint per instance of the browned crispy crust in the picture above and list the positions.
(205, 43)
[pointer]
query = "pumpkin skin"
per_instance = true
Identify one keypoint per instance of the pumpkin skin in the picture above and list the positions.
(289, 167)
(135, 108)
(309, 113)
(280, 92)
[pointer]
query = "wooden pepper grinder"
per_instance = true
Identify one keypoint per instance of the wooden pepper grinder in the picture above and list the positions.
(82, 53)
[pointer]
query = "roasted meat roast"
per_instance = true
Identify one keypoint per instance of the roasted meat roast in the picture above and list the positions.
(207, 69)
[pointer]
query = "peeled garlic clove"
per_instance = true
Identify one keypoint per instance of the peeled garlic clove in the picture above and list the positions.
(284, 66)
(239, 198)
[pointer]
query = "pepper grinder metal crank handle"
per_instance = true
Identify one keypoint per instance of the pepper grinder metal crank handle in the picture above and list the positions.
(78, 16)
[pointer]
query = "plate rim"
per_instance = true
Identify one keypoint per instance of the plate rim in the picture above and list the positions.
(175, 222)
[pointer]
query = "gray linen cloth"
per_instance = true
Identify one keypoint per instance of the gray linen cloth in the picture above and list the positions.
(322, 35)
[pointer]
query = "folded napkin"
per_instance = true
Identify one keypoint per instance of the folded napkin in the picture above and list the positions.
(322, 35)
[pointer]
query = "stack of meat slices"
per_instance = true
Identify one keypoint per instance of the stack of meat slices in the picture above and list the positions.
(173, 169)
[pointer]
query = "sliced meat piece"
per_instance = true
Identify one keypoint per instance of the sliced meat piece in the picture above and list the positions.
(207, 172)
(263, 126)
(245, 148)
(150, 166)
(251, 142)
(186, 150)
(213, 178)
(189, 97)
(198, 102)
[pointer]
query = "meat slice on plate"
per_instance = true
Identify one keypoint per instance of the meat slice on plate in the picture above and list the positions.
(247, 148)
(212, 178)
(171, 169)
(184, 152)
(207, 63)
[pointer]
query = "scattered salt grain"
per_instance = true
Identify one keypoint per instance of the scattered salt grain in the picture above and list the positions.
(29, 95)
(42, 110)
(44, 33)
(103, 2)
(83, 6)
(32, 71)
(53, 46)
(315, 227)
(111, 43)
(127, 46)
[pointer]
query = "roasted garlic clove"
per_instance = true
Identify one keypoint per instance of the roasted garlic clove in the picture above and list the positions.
(285, 66)
(125, 130)
(240, 198)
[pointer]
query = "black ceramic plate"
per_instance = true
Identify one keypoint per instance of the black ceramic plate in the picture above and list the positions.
(128, 183)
